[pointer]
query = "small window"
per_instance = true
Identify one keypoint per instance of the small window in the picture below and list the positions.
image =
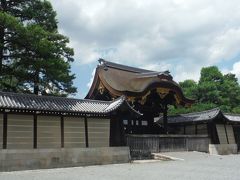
(156, 119)
(125, 122)
(144, 123)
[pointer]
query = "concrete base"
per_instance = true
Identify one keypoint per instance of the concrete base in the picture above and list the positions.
(223, 149)
(11, 160)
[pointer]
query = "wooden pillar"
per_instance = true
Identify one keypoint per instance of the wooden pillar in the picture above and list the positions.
(62, 132)
(165, 120)
(184, 129)
(140, 122)
(196, 132)
(5, 121)
(86, 131)
(35, 131)
(212, 132)
(140, 127)
(134, 129)
(148, 116)
(129, 126)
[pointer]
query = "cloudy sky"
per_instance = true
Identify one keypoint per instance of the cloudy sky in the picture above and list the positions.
(181, 36)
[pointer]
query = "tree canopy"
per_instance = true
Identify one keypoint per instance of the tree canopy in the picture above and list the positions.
(213, 90)
(34, 56)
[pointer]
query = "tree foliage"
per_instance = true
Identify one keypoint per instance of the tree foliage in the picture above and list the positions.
(213, 90)
(35, 58)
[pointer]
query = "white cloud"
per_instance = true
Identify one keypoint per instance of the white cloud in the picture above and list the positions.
(182, 73)
(236, 69)
(179, 35)
(91, 79)
(158, 67)
(226, 45)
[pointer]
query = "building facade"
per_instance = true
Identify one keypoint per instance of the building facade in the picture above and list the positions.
(148, 92)
(221, 128)
(29, 121)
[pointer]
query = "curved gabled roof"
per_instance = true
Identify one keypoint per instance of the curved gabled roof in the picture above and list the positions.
(29, 102)
(134, 82)
(204, 116)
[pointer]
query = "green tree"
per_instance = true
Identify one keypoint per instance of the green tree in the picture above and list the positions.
(34, 56)
(189, 88)
(11, 15)
(209, 86)
(213, 90)
(194, 108)
(8, 25)
(230, 93)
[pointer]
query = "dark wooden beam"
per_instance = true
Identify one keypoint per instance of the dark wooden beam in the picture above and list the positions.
(86, 131)
(165, 120)
(196, 131)
(184, 129)
(212, 132)
(5, 122)
(62, 132)
(129, 126)
(140, 122)
(35, 131)
(134, 122)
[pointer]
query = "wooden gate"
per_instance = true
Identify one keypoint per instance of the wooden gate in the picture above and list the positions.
(142, 146)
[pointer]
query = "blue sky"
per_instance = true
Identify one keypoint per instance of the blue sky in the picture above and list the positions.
(181, 36)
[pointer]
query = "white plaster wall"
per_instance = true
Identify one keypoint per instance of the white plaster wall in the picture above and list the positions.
(20, 132)
(98, 132)
(221, 134)
(231, 137)
(48, 132)
(74, 132)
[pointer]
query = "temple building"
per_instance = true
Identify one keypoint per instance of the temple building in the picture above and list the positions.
(148, 92)
(125, 106)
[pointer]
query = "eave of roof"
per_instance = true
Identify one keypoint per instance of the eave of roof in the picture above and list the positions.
(232, 117)
(27, 102)
(201, 117)
(105, 63)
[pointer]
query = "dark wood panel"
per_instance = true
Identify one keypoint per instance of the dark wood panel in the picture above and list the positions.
(142, 146)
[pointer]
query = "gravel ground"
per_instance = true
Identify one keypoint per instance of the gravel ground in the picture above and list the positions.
(195, 166)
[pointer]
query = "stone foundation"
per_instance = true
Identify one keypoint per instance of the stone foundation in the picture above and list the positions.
(223, 149)
(11, 160)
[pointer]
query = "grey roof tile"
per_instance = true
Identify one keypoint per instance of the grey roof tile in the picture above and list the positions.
(233, 117)
(202, 116)
(62, 104)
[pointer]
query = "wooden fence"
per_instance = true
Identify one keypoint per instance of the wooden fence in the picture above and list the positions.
(141, 146)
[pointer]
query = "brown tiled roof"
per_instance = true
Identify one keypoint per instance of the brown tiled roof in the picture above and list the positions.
(132, 82)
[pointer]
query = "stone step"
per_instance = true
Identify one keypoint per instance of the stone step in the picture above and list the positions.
(163, 157)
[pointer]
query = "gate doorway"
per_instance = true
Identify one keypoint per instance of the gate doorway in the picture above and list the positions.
(236, 129)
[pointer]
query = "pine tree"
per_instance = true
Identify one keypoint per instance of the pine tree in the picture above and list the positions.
(34, 56)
